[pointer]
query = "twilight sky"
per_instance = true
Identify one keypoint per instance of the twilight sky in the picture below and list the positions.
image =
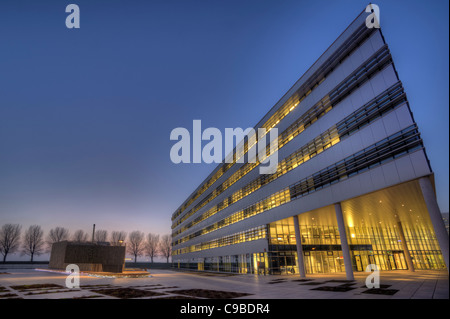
(86, 114)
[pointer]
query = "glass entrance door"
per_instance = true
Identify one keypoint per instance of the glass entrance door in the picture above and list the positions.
(399, 259)
(260, 263)
(358, 263)
(391, 262)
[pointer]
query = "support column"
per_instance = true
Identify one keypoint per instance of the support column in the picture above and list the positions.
(344, 242)
(409, 261)
(298, 239)
(435, 215)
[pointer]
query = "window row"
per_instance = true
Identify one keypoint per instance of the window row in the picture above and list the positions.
(241, 237)
(353, 42)
(375, 63)
(386, 101)
(396, 145)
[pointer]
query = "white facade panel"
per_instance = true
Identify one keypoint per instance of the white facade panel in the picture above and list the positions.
(366, 50)
(404, 116)
(390, 173)
(420, 164)
(389, 75)
(405, 168)
(377, 41)
(378, 83)
(378, 130)
(391, 124)
(377, 176)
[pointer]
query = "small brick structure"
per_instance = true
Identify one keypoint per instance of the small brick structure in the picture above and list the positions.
(92, 257)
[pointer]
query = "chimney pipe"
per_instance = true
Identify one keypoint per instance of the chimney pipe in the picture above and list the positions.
(93, 233)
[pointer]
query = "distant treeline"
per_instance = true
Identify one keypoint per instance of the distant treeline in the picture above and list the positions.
(33, 243)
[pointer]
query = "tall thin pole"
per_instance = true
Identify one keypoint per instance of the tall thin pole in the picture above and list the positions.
(93, 233)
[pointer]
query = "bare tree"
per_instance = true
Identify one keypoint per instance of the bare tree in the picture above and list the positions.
(136, 244)
(166, 246)
(33, 241)
(9, 239)
(80, 236)
(101, 235)
(152, 245)
(56, 235)
(118, 237)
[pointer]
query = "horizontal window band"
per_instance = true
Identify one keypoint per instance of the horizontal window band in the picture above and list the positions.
(350, 45)
(356, 79)
(256, 233)
(319, 247)
(392, 147)
(387, 100)
(409, 139)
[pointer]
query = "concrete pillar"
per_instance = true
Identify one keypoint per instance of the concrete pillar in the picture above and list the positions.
(298, 239)
(344, 242)
(409, 261)
(435, 215)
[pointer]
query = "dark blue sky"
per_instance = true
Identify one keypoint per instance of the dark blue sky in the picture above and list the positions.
(85, 115)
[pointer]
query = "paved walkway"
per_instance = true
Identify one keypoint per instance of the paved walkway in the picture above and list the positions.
(166, 283)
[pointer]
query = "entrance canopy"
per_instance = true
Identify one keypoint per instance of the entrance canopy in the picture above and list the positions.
(377, 209)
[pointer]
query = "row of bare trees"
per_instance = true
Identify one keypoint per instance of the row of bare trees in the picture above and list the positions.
(33, 243)
(151, 245)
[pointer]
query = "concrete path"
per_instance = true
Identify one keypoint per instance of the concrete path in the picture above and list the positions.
(166, 283)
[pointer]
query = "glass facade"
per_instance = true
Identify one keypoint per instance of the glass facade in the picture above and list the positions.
(255, 263)
(373, 223)
(380, 245)
(377, 244)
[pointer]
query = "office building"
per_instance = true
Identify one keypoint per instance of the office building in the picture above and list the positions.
(353, 187)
